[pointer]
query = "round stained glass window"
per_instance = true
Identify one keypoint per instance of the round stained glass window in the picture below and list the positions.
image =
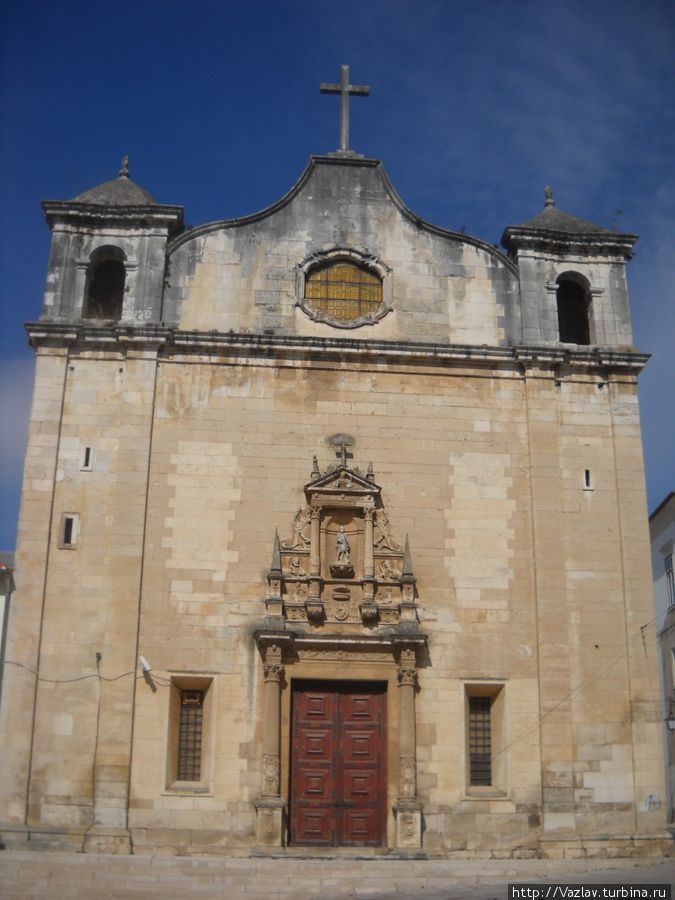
(343, 291)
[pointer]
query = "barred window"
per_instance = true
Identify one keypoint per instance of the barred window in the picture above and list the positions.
(343, 291)
(480, 741)
(190, 735)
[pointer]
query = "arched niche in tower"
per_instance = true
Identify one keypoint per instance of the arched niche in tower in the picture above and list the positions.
(104, 287)
(573, 297)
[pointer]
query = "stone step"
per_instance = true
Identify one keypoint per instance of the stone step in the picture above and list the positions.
(26, 874)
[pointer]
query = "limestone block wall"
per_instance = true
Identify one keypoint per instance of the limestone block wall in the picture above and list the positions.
(25, 626)
(521, 491)
(520, 574)
(231, 451)
(85, 597)
(599, 708)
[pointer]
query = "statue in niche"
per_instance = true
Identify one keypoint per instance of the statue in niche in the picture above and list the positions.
(342, 567)
(342, 546)
(383, 539)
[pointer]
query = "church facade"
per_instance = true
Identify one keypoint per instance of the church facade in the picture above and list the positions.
(333, 534)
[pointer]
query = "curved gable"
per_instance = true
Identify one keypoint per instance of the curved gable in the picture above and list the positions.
(248, 274)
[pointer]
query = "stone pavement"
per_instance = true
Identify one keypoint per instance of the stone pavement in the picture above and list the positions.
(26, 874)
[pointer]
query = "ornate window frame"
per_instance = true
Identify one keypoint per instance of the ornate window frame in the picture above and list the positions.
(363, 259)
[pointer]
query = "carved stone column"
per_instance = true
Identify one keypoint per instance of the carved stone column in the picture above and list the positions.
(368, 562)
(270, 806)
(314, 541)
(314, 605)
(368, 607)
(407, 808)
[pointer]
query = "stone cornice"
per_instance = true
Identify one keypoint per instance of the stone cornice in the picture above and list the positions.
(174, 343)
(385, 643)
(518, 238)
(69, 212)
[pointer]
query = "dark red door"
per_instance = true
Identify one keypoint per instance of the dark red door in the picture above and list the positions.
(338, 755)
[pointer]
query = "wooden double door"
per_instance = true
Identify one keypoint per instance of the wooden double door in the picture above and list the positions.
(338, 764)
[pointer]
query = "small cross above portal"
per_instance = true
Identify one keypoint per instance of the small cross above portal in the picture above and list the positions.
(344, 89)
(343, 454)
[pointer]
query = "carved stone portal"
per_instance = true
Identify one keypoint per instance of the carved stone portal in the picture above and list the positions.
(341, 588)
(342, 564)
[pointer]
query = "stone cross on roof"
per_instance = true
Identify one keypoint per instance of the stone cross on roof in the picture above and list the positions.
(344, 89)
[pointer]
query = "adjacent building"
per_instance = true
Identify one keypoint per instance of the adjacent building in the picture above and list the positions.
(662, 534)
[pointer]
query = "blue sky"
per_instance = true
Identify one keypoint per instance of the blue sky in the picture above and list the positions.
(474, 108)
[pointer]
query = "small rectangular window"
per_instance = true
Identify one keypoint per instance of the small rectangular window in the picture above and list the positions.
(190, 735)
(87, 458)
(69, 530)
(189, 750)
(670, 581)
(587, 480)
(672, 667)
(480, 741)
(485, 736)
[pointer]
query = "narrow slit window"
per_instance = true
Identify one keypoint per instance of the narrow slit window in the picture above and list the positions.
(69, 529)
(190, 735)
(587, 480)
(87, 458)
(480, 741)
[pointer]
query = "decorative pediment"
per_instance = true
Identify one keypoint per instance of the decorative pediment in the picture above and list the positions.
(340, 482)
(342, 564)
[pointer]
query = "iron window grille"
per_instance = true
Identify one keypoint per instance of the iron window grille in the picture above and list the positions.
(190, 735)
(480, 741)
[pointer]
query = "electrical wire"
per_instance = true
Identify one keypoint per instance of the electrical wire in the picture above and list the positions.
(158, 679)
(590, 678)
(10, 662)
(164, 681)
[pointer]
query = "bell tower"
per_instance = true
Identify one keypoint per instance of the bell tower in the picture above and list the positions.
(108, 254)
(572, 280)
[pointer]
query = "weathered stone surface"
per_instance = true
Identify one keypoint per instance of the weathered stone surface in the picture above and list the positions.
(204, 407)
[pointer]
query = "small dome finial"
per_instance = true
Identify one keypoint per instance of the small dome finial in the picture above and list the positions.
(124, 167)
(548, 196)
